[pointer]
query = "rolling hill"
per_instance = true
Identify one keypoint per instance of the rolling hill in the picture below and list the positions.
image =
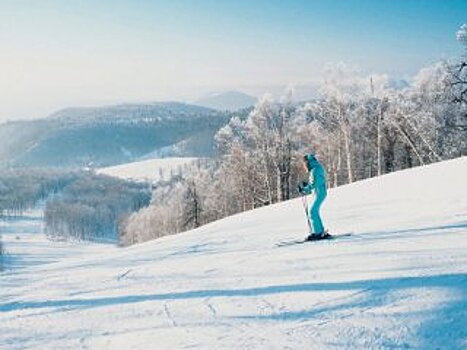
(110, 135)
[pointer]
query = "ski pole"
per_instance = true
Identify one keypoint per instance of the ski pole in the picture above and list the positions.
(305, 206)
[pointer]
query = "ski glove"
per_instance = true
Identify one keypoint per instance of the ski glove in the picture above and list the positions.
(306, 188)
(302, 187)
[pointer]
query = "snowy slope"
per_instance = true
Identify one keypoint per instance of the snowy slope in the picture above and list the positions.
(148, 170)
(27, 246)
(399, 283)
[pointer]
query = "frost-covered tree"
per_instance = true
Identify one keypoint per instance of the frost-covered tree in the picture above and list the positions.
(177, 204)
(346, 122)
(342, 91)
(459, 79)
(260, 146)
(461, 34)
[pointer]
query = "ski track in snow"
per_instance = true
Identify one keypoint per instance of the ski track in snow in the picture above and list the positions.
(399, 283)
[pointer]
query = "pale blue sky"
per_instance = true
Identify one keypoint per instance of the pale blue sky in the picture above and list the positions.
(69, 52)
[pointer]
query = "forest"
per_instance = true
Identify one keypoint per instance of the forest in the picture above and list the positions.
(362, 126)
(78, 204)
(22, 188)
(92, 207)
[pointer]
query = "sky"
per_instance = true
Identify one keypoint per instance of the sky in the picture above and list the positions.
(61, 53)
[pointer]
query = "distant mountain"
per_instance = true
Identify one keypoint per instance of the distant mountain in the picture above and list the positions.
(227, 101)
(75, 137)
(125, 112)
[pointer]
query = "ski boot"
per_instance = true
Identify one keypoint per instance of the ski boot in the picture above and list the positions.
(318, 236)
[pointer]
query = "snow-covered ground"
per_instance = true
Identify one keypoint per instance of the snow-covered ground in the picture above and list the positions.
(400, 282)
(151, 170)
(27, 246)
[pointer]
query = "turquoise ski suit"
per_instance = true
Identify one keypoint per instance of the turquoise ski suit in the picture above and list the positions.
(316, 182)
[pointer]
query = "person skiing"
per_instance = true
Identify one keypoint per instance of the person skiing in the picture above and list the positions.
(317, 183)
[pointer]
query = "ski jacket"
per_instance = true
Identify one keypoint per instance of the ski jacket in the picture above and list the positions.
(316, 178)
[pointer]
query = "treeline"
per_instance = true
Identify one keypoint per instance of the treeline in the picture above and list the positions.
(21, 189)
(92, 207)
(79, 205)
(362, 126)
(175, 205)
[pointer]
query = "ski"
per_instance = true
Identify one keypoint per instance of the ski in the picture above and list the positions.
(302, 241)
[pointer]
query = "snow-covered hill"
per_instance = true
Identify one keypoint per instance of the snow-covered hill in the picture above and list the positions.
(400, 282)
(108, 135)
(151, 170)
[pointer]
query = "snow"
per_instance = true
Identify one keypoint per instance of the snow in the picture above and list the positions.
(27, 245)
(148, 170)
(400, 282)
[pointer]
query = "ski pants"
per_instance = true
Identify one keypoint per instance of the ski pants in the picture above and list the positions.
(313, 211)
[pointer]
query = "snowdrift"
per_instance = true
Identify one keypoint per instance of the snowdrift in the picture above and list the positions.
(399, 282)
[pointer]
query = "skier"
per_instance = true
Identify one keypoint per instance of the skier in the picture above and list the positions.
(316, 182)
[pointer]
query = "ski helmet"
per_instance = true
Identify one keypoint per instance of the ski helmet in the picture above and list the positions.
(310, 160)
